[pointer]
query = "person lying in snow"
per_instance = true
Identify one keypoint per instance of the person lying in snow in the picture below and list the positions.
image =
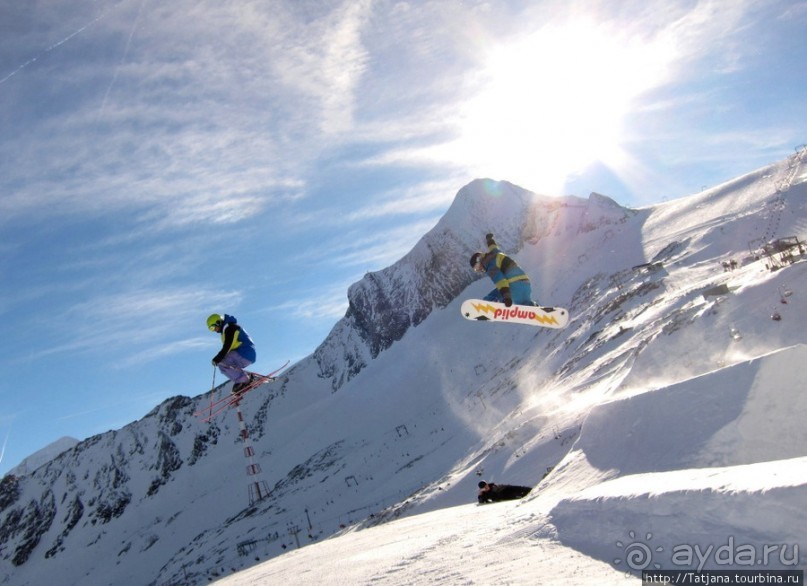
(492, 493)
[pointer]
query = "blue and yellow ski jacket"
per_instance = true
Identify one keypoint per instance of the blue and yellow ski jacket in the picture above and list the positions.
(235, 338)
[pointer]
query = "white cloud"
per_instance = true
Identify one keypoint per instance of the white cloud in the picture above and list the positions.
(370, 250)
(324, 60)
(328, 304)
(227, 100)
(429, 196)
(132, 320)
(157, 351)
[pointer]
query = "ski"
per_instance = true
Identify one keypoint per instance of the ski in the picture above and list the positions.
(276, 371)
(230, 399)
(224, 402)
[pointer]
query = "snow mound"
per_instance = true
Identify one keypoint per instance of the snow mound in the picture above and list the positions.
(750, 515)
(702, 463)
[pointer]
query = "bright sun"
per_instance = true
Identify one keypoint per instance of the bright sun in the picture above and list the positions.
(550, 104)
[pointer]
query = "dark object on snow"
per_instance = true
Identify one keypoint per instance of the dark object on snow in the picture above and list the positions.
(716, 291)
(492, 493)
(649, 266)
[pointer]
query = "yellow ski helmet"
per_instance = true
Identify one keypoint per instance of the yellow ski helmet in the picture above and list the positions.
(213, 321)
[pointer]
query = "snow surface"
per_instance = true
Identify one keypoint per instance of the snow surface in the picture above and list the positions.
(667, 415)
(505, 543)
(577, 525)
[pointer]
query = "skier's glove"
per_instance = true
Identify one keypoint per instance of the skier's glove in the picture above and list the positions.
(508, 299)
(215, 362)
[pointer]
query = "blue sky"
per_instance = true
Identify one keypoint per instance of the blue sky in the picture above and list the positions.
(163, 161)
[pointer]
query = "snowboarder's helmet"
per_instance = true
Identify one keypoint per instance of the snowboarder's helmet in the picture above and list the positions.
(482, 484)
(213, 321)
(475, 259)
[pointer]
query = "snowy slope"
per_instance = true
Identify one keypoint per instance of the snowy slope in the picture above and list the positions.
(43, 456)
(668, 407)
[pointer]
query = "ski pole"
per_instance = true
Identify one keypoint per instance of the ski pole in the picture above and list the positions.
(212, 389)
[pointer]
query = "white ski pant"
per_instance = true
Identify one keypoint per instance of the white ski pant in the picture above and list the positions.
(233, 365)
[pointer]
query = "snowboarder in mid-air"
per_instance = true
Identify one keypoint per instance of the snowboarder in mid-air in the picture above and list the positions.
(237, 350)
(512, 283)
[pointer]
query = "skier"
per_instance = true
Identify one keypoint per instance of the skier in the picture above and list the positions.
(237, 350)
(492, 493)
(512, 283)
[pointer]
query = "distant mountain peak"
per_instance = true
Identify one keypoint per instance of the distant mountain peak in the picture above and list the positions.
(386, 303)
(43, 456)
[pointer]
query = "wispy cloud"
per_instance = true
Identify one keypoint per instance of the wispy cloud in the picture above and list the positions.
(794, 10)
(367, 249)
(208, 113)
(144, 322)
(327, 304)
(3, 450)
(73, 32)
(323, 60)
(184, 118)
(204, 113)
(170, 348)
(707, 30)
(424, 197)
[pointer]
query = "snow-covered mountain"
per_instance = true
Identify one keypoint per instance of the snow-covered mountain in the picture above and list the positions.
(669, 407)
(46, 454)
(385, 304)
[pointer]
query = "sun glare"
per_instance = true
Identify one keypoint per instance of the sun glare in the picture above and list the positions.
(549, 105)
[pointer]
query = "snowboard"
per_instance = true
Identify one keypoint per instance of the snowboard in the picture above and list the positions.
(547, 317)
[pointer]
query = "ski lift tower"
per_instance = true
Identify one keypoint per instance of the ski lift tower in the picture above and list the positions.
(258, 488)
